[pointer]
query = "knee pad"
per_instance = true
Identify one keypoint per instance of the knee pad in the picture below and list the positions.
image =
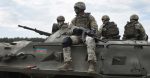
(67, 42)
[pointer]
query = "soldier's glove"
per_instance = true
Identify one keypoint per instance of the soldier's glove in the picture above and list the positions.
(91, 32)
(77, 31)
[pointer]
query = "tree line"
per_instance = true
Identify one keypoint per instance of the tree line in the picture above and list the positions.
(5, 39)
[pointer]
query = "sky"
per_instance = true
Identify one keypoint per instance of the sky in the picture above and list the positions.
(41, 14)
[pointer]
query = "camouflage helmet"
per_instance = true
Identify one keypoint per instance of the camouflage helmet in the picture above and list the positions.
(60, 18)
(134, 17)
(80, 5)
(105, 17)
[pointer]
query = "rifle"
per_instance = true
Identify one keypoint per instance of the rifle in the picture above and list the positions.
(37, 31)
(90, 33)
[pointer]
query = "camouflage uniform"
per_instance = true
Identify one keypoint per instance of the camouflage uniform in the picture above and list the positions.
(134, 30)
(84, 20)
(60, 23)
(108, 30)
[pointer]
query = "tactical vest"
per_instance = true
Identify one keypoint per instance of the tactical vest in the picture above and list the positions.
(110, 29)
(83, 21)
(130, 30)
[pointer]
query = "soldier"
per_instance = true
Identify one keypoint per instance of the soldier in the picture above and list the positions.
(108, 30)
(87, 21)
(134, 30)
(59, 24)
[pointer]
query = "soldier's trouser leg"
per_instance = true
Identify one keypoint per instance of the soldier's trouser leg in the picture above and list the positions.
(67, 42)
(91, 45)
(67, 54)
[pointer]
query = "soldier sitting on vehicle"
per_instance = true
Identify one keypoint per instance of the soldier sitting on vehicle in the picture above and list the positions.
(134, 30)
(60, 23)
(108, 30)
(87, 21)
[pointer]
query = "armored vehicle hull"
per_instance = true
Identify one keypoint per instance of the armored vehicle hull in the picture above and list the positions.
(119, 59)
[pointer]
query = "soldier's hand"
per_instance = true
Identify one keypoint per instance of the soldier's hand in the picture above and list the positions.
(77, 31)
(90, 32)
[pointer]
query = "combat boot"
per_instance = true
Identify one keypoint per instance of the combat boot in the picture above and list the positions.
(65, 67)
(91, 68)
(67, 59)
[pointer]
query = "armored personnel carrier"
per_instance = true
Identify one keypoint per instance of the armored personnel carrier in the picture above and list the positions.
(116, 59)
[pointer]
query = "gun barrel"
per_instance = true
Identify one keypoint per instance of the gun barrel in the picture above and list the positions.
(20, 26)
(35, 30)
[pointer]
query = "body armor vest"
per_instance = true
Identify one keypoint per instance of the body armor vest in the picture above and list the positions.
(110, 29)
(130, 30)
(83, 21)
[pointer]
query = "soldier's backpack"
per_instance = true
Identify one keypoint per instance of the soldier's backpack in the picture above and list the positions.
(110, 29)
(130, 30)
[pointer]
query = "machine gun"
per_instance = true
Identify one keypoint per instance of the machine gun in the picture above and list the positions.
(37, 31)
